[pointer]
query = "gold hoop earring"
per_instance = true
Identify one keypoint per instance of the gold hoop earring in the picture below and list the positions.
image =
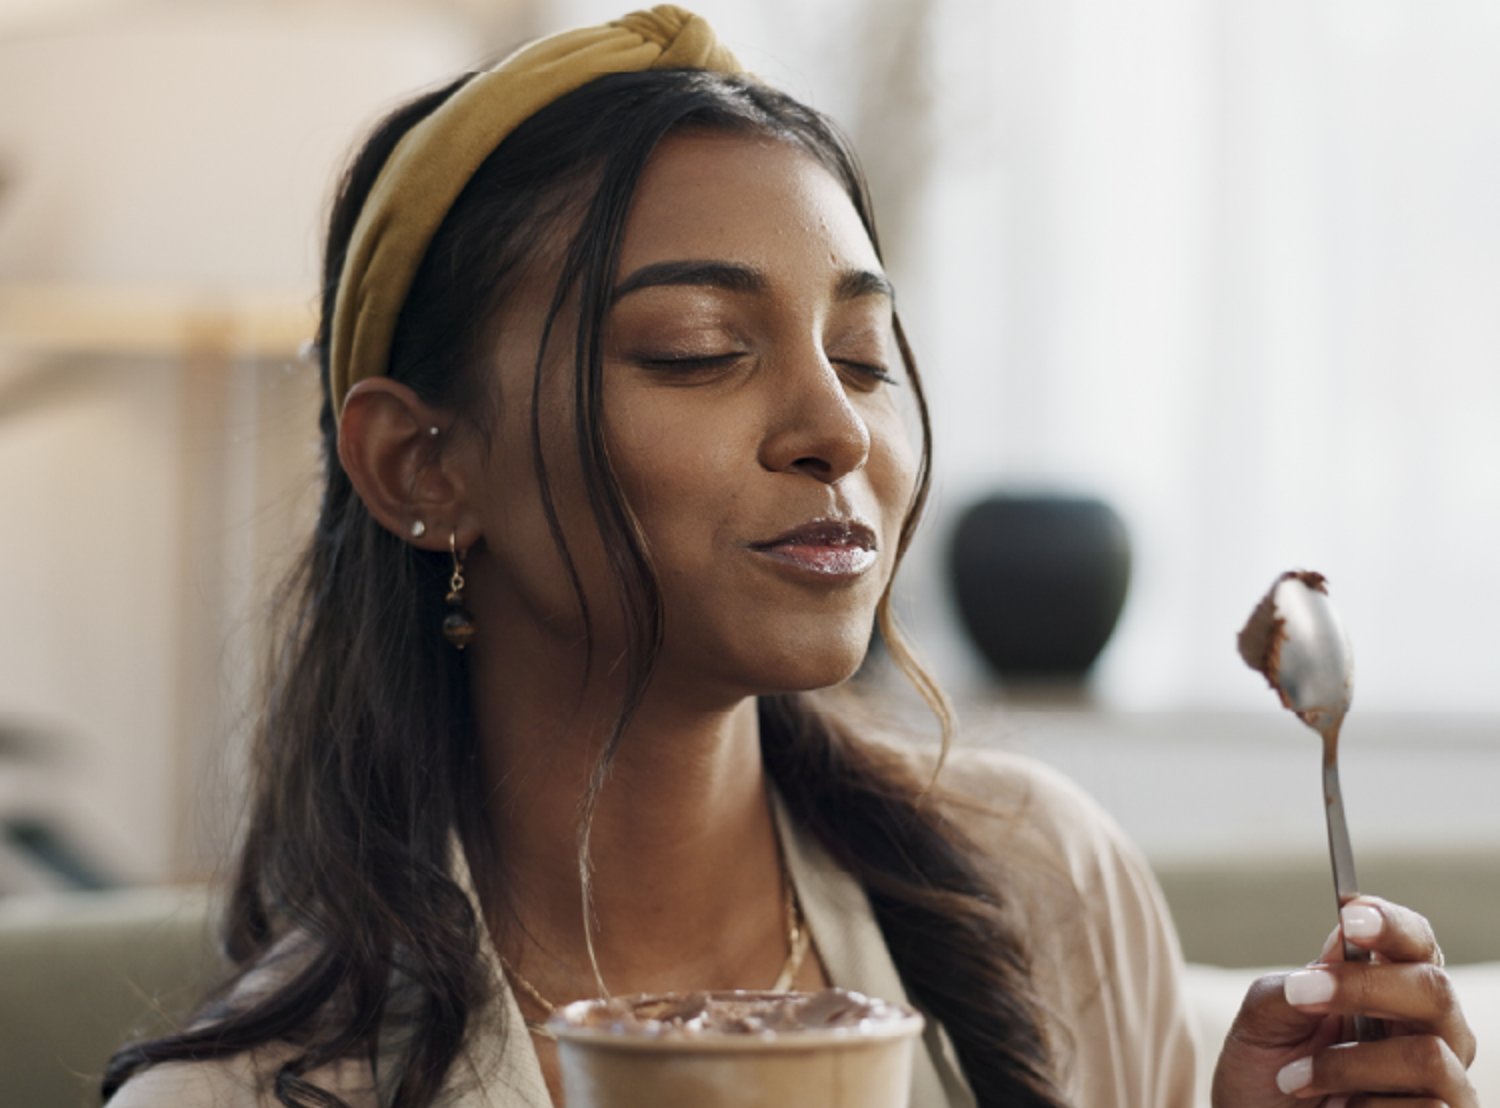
(458, 625)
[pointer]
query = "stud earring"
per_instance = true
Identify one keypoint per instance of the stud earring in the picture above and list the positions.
(458, 625)
(418, 528)
(433, 431)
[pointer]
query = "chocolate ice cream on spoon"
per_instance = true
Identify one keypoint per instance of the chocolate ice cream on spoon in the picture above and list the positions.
(1295, 640)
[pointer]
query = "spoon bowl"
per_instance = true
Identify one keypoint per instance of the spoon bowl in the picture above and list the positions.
(1295, 640)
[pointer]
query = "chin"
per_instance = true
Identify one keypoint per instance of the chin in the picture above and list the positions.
(757, 658)
(806, 667)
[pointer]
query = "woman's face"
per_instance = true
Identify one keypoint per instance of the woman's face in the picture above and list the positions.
(752, 408)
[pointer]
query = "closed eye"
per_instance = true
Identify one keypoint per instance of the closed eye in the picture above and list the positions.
(689, 363)
(872, 370)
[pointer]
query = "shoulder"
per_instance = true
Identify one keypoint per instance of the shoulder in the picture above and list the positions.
(246, 1080)
(1064, 860)
(1023, 811)
(1104, 952)
(238, 1082)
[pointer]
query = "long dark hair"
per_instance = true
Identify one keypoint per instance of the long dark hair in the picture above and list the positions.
(367, 761)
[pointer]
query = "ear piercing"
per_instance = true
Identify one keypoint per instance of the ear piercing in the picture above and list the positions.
(458, 625)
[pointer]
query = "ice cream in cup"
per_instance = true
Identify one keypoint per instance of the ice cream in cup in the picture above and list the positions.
(830, 1049)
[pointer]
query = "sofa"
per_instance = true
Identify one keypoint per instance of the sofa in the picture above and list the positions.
(80, 971)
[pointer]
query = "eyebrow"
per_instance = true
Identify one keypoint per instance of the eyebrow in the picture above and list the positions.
(852, 284)
(855, 283)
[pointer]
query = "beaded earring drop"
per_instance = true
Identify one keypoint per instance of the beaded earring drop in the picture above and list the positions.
(458, 625)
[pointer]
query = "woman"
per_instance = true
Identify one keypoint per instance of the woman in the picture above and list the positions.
(617, 477)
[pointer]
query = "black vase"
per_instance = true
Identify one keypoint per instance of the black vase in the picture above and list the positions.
(1040, 581)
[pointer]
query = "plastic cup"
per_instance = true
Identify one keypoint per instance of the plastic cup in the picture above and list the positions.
(609, 1063)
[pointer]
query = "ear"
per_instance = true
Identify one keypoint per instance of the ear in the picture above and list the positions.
(396, 450)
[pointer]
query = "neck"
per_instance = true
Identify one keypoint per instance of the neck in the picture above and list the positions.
(687, 880)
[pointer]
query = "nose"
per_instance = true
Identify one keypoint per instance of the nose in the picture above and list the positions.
(814, 428)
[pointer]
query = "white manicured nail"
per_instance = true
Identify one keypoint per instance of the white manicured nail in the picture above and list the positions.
(1306, 987)
(1361, 921)
(1295, 1075)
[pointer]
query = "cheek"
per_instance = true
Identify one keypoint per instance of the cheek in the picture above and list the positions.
(518, 534)
(516, 484)
(893, 462)
(680, 466)
(685, 498)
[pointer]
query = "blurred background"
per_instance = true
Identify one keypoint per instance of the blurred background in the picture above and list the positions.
(1225, 273)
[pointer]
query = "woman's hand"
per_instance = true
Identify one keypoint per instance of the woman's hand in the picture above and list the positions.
(1287, 1046)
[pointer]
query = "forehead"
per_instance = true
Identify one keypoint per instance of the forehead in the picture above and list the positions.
(754, 199)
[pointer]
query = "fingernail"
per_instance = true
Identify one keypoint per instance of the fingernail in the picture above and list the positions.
(1361, 921)
(1295, 1075)
(1307, 987)
(1336, 1102)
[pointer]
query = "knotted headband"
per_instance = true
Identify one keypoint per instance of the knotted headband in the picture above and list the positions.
(433, 162)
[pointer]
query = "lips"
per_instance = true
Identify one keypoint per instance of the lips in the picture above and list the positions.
(825, 547)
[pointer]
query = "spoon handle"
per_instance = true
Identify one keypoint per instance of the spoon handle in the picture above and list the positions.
(1345, 884)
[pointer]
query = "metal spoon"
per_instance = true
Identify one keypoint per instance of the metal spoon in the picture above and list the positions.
(1296, 641)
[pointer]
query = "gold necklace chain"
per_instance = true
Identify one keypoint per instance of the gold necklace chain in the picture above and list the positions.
(797, 942)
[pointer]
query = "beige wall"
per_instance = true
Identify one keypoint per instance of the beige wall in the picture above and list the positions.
(88, 495)
(144, 507)
(164, 170)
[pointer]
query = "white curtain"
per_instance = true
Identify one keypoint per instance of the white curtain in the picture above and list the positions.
(1242, 277)
(1233, 266)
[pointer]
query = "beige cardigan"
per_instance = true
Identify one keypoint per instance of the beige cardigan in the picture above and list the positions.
(1105, 956)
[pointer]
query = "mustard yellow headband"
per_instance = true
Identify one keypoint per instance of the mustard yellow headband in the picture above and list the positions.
(435, 159)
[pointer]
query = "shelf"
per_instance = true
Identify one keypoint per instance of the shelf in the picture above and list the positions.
(41, 318)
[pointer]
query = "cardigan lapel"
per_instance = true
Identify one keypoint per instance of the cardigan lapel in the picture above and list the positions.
(502, 1064)
(503, 1071)
(854, 953)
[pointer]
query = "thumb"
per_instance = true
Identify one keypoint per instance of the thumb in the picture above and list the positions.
(1267, 1021)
